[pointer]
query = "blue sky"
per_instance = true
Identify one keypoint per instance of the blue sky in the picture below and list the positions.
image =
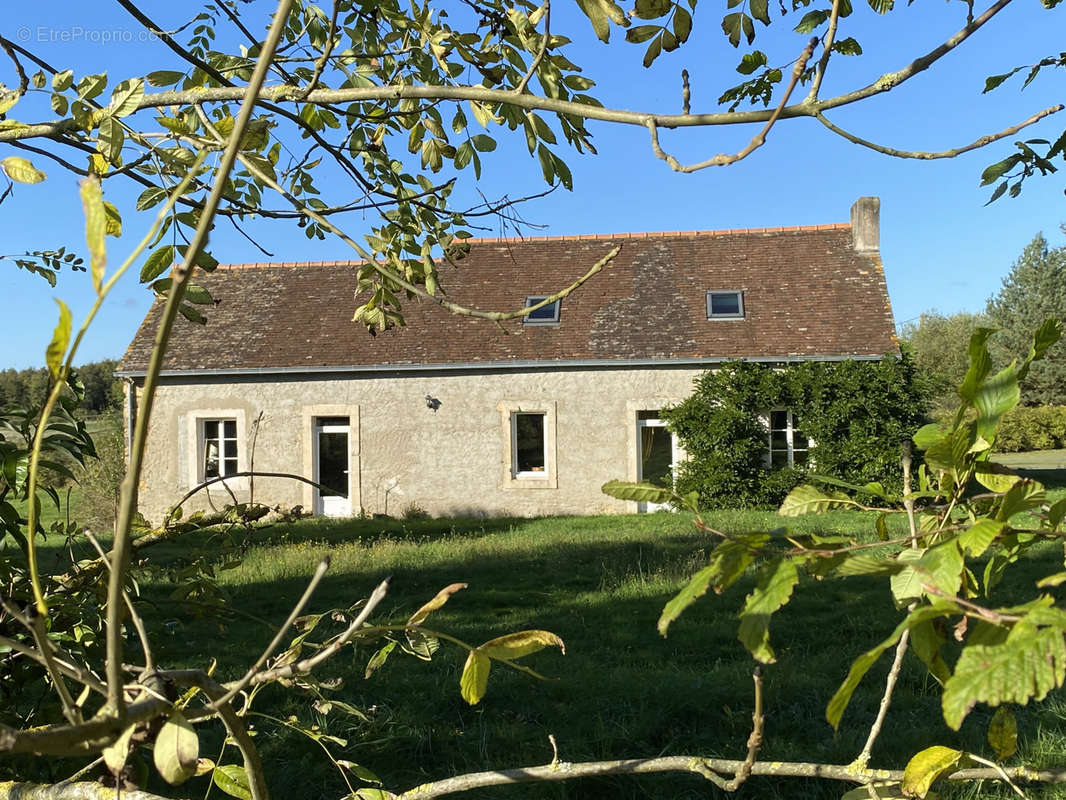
(941, 246)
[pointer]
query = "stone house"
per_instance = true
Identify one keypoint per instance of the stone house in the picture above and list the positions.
(464, 417)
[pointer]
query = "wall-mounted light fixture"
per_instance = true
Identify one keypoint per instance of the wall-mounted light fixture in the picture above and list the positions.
(432, 403)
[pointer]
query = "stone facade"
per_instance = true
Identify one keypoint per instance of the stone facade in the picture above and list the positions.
(455, 460)
(458, 416)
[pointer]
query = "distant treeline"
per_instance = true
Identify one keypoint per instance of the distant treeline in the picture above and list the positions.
(29, 387)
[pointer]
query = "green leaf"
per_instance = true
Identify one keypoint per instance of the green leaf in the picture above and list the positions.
(654, 50)
(927, 641)
(978, 537)
(475, 678)
(126, 98)
(438, 600)
(640, 492)
(695, 588)
(62, 81)
(727, 563)
(164, 77)
(652, 9)
(522, 643)
(807, 499)
(483, 143)
(21, 170)
(926, 766)
(1023, 496)
(57, 348)
(839, 702)
(1027, 665)
(8, 100)
(994, 172)
(150, 197)
(92, 201)
(906, 585)
(641, 33)
(811, 20)
(378, 659)
(759, 10)
(110, 140)
(773, 588)
(596, 15)
(995, 477)
(1003, 733)
(751, 62)
(370, 793)
(177, 749)
(233, 780)
(157, 263)
(91, 85)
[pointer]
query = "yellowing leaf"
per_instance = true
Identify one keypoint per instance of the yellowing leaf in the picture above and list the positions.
(516, 645)
(1003, 733)
(21, 170)
(475, 678)
(640, 492)
(114, 220)
(92, 201)
(439, 600)
(126, 97)
(57, 348)
(177, 750)
(233, 780)
(115, 756)
(926, 766)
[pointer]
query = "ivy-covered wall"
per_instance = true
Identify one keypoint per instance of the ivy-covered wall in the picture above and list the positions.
(857, 413)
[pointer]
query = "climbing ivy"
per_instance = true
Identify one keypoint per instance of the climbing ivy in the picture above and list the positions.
(856, 413)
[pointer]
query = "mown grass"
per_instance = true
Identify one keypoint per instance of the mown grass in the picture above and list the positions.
(621, 690)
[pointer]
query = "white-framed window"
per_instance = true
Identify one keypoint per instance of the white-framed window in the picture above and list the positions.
(212, 444)
(528, 445)
(218, 448)
(725, 304)
(548, 315)
(789, 446)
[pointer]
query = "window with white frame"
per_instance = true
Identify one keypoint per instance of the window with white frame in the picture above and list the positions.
(725, 304)
(546, 315)
(528, 451)
(789, 446)
(218, 448)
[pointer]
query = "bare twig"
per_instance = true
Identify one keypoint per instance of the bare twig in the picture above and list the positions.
(235, 689)
(724, 159)
(928, 156)
(755, 740)
(327, 50)
(827, 51)
(521, 87)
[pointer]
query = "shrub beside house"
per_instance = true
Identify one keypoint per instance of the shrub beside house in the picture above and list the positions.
(466, 417)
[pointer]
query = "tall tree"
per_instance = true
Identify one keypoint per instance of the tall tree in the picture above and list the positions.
(1034, 290)
(938, 344)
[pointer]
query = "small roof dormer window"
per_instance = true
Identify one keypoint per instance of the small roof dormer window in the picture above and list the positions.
(547, 315)
(725, 304)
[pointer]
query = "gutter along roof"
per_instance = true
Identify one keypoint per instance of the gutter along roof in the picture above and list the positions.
(809, 293)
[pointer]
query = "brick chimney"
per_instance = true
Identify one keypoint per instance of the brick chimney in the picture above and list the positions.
(866, 224)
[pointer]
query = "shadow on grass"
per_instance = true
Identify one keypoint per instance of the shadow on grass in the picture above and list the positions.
(621, 690)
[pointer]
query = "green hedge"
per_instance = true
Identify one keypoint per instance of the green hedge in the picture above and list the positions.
(1032, 428)
(856, 412)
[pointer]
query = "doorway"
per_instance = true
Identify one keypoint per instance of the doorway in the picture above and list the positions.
(332, 472)
(656, 455)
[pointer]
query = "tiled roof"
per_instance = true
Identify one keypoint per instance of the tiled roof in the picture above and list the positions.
(807, 293)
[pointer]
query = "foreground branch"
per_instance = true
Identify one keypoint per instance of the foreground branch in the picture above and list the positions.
(564, 771)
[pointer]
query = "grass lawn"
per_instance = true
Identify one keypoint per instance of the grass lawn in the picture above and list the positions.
(620, 691)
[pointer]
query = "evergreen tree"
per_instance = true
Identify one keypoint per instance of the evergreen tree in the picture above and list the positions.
(1034, 290)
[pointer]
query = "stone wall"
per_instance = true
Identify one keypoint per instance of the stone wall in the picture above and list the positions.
(455, 460)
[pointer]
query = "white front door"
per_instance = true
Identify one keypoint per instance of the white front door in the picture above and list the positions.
(331, 459)
(656, 453)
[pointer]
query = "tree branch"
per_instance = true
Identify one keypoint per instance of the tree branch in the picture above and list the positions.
(757, 141)
(974, 145)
